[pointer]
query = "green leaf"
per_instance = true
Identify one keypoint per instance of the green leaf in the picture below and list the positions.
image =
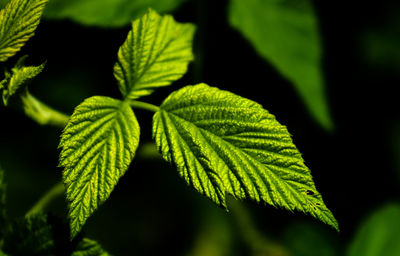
(156, 52)
(379, 234)
(286, 34)
(30, 236)
(225, 144)
(88, 247)
(98, 144)
(18, 22)
(14, 82)
(105, 13)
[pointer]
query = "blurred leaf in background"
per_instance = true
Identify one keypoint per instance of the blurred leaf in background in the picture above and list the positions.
(285, 33)
(380, 41)
(379, 234)
(306, 238)
(104, 13)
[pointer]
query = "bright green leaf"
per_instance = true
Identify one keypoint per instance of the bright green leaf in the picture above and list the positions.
(15, 81)
(225, 144)
(379, 234)
(30, 236)
(98, 144)
(88, 247)
(286, 34)
(156, 53)
(18, 22)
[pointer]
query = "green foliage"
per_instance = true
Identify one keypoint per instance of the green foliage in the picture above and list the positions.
(98, 144)
(225, 144)
(18, 22)
(30, 236)
(105, 13)
(17, 79)
(88, 247)
(379, 234)
(286, 34)
(155, 53)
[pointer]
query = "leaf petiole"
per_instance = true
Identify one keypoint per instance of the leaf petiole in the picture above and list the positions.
(144, 105)
(56, 191)
(42, 113)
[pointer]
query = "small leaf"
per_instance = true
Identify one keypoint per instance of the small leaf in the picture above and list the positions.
(14, 82)
(225, 144)
(18, 22)
(379, 234)
(30, 236)
(88, 247)
(98, 144)
(286, 34)
(156, 52)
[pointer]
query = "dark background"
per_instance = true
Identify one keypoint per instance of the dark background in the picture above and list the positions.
(152, 211)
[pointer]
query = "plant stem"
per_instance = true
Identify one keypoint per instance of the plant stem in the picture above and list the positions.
(56, 191)
(42, 113)
(258, 242)
(144, 105)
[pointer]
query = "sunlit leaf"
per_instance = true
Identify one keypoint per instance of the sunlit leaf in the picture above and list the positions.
(18, 22)
(224, 144)
(98, 144)
(379, 234)
(285, 33)
(156, 53)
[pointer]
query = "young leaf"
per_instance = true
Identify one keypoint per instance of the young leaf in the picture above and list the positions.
(98, 144)
(88, 247)
(286, 34)
(30, 236)
(156, 52)
(12, 83)
(223, 143)
(18, 22)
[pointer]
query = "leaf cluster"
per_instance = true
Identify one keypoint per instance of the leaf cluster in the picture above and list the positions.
(220, 143)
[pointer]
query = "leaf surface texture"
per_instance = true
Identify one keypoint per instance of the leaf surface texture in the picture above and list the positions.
(225, 144)
(98, 144)
(18, 22)
(156, 52)
(286, 34)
